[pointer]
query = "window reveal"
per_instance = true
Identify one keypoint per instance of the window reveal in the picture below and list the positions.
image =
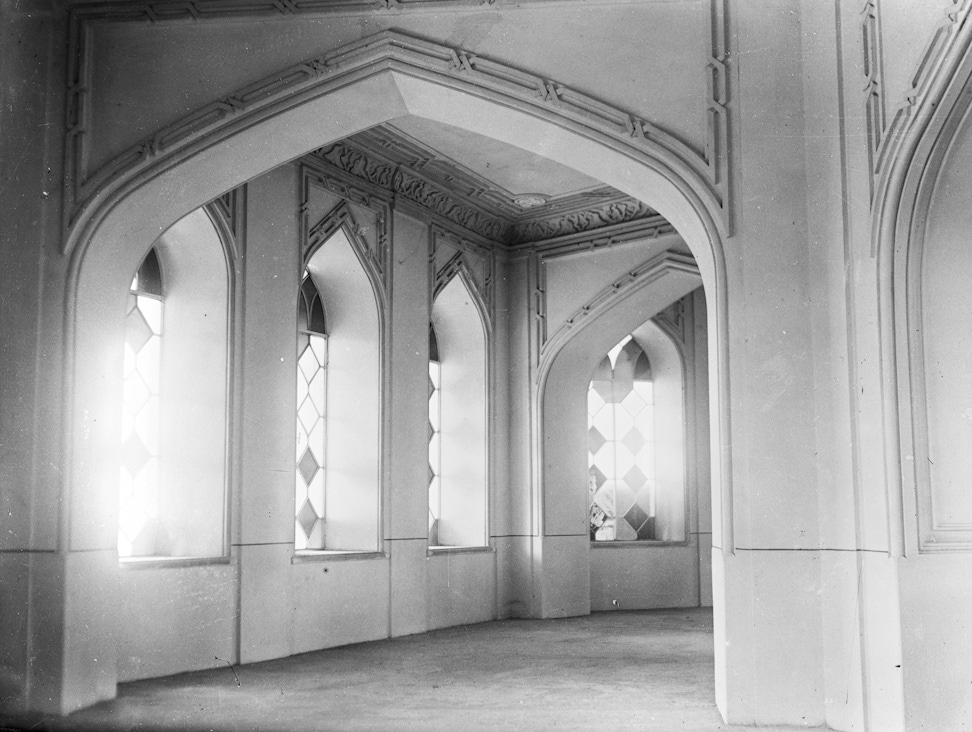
(435, 465)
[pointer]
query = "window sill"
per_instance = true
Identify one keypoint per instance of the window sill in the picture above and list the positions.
(648, 544)
(128, 563)
(434, 550)
(334, 555)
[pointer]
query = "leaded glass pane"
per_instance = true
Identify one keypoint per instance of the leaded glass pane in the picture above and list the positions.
(138, 499)
(152, 311)
(620, 451)
(311, 436)
(434, 445)
(308, 364)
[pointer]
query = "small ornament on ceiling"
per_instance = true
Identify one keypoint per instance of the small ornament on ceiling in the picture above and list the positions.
(530, 200)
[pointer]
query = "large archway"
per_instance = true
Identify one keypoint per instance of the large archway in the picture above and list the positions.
(118, 224)
(920, 238)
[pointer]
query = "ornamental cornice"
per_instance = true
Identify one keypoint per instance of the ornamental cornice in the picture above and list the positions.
(458, 196)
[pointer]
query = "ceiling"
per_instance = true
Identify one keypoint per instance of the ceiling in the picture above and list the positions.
(510, 169)
(498, 191)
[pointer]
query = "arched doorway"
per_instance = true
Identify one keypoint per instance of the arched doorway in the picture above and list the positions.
(115, 228)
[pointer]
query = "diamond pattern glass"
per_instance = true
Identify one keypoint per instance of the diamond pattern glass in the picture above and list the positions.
(311, 435)
(435, 373)
(138, 478)
(620, 450)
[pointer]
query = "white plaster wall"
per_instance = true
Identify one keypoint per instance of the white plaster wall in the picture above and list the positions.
(461, 336)
(194, 364)
(771, 579)
(935, 588)
(149, 75)
(174, 619)
(640, 576)
(31, 582)
(936, 640)
(462, 588)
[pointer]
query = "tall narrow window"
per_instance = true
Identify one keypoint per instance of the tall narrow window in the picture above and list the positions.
(172, 478)
(621, 479)
(435, 465)
(311, 417)
(458, 476)
(139, 530)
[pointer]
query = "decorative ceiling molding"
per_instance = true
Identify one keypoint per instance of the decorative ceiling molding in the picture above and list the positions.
(468, 200)
(651, 227)
(705, 172)
(386, 142)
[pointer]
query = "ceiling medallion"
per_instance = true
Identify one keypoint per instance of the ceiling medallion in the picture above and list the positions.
(530, 200)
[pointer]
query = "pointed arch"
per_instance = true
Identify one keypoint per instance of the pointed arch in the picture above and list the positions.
(459, 491)
(221, 146)
(925, 132)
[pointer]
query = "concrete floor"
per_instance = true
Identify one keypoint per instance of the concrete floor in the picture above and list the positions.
(637, 670)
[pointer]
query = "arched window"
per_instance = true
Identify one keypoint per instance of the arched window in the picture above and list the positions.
(338, 407)
(311, 412)
(138, 519)
(435, 423)
(457, 419)
(172, 481)
(621, 451)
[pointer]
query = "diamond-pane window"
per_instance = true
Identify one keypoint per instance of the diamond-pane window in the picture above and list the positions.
(138, 506)
(435, 496)
(620, 455)
(311, 425)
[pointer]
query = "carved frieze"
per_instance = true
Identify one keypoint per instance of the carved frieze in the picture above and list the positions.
(616, 212)
(457, 195)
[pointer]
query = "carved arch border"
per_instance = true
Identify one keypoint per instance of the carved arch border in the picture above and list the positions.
(904, 196)
(85, 197)
(376, 269)
(606, 299)
(375, 263)
(225, 216)
(459, 265)
(889, 139)
(481, 294)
